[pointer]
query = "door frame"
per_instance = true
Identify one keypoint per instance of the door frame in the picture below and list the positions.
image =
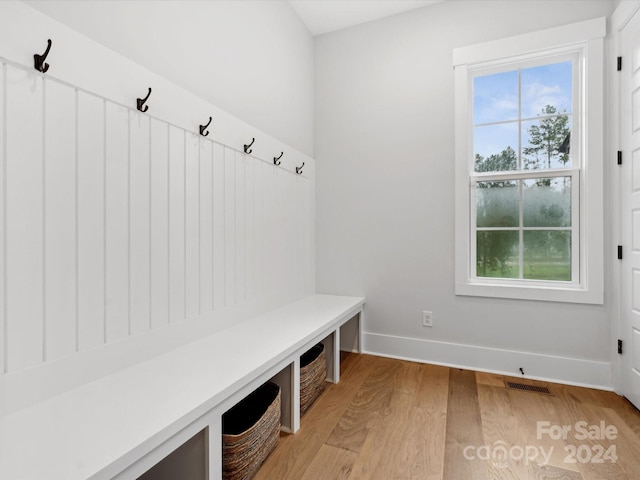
(619, 19)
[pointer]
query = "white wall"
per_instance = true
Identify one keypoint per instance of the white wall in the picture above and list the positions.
(124, 234)
(253, 59)
(385, 196)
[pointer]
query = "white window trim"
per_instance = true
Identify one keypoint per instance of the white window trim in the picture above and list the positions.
(589, 38)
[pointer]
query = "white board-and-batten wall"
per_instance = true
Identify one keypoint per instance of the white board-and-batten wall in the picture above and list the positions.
(122, 233)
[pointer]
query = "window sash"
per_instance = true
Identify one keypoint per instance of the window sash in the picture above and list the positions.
(573, 54)
(572, 173)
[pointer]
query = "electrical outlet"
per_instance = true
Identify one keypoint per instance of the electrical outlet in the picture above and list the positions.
(427, 319)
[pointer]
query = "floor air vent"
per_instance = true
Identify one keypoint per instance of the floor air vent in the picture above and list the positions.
(528, 388)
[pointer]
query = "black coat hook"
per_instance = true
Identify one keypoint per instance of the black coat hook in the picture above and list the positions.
(204, 127)
(141, 102)
(247, 147)
(38, 60)
(299, 169)
(276, 160)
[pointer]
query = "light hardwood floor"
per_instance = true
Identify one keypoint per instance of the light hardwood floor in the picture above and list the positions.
(390, 419)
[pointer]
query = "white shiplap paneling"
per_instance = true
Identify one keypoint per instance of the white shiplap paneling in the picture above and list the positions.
(73, 254)
(159, 233)
(192, 215)
(91, 221)
(219, 286)
(119, 224)
(139, 224)
(3, 251)
(250, 230)
(205, 208)
(229, 193)
(60, 232)
(177, 246)
(240, 227)
(25, 219)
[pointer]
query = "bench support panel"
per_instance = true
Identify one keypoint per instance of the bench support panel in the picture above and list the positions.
(350, 335)
(214, 448)
(289, 381)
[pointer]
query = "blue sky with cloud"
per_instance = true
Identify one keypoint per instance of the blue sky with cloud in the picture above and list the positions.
(496, 100)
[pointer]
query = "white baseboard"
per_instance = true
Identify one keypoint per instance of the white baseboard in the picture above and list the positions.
(570, 371)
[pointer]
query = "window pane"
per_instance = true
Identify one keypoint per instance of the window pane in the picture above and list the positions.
(546, 85)
(546, 143)
(495, 147)
(497, 254)
(547, 255)
(546, 202)
(495, 97)
(497, 204)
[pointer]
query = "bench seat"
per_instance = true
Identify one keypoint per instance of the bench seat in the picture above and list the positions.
(120, 425)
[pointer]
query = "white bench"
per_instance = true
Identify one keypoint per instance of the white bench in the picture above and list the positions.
(123, 424)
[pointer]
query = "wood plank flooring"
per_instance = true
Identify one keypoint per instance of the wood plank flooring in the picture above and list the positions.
(391, 419)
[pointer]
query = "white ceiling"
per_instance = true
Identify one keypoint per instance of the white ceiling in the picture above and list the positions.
(323, 16)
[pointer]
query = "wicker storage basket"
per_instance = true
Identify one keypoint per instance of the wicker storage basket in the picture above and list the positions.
(313, 373)
(250, 431)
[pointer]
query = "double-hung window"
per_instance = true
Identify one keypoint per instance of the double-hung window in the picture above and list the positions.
(529, 146)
